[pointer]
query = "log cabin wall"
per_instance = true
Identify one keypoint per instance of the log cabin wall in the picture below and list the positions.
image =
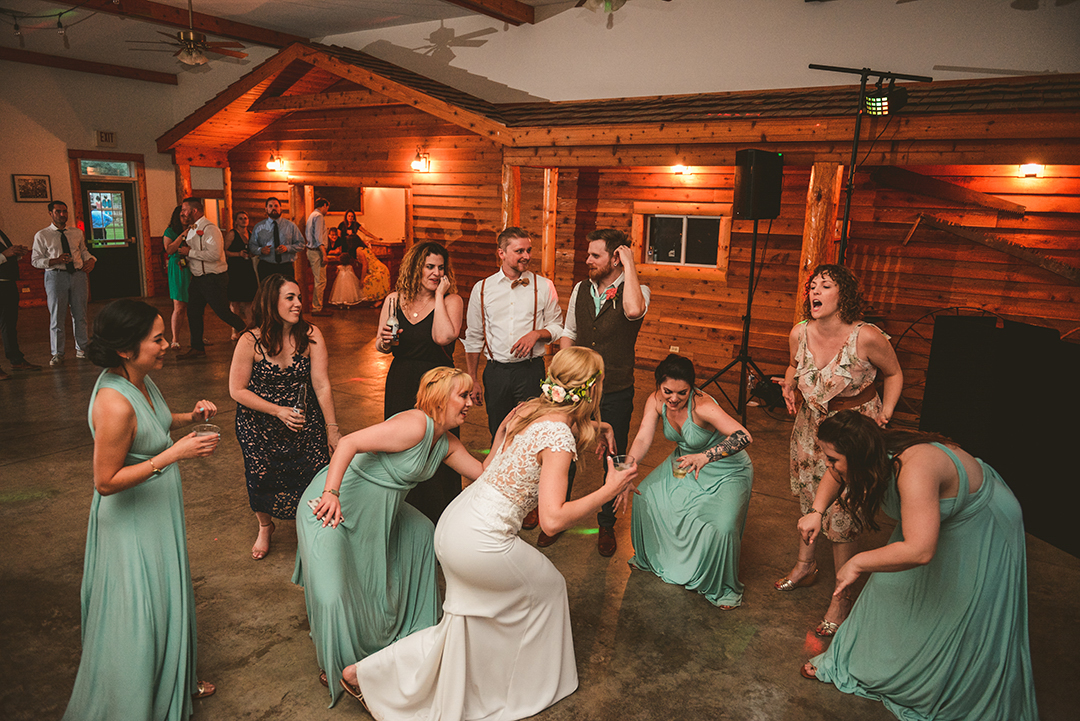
(702, 318)
(937, 269)
(457, 203)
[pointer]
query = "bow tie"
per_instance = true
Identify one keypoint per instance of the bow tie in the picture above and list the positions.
(520, 281)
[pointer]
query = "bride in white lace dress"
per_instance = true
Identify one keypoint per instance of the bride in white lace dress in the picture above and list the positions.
(503, 649)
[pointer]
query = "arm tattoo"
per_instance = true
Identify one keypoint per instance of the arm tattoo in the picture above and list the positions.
(729, 446)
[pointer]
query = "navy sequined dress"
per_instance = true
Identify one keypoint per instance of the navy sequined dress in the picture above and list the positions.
(279, 463)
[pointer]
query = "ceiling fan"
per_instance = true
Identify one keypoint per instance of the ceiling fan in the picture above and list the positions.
(193, 45)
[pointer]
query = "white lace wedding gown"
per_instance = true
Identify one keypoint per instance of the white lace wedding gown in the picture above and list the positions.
(503, 649)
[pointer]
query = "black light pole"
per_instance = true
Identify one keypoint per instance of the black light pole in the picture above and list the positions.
(849, 189)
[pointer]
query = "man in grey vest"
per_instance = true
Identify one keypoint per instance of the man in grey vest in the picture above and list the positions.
(605, 314)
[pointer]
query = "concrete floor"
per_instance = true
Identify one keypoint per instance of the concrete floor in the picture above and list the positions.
(645, 650)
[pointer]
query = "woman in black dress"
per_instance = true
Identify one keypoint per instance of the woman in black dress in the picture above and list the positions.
(285, 420)
(429, 312)
(242, 280)
(350, 234)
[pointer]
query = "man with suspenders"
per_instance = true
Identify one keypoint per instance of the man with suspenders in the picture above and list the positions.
(512, 316)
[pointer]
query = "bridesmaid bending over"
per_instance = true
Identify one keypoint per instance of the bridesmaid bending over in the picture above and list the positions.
(285, 419)
(941, 629)
(138, 608)
(687, 524)
(366, 558)
(503, 649)
(835, 358)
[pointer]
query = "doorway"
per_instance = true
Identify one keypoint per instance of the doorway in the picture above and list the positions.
(111, 221)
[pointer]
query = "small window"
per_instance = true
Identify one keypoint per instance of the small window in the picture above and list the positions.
(683, 239)
(105, 168)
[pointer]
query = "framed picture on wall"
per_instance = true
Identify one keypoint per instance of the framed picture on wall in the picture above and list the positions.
(32, 188)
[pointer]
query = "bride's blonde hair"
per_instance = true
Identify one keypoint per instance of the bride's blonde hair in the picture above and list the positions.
(576, 371)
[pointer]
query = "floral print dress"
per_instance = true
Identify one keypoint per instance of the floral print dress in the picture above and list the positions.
(846, 375)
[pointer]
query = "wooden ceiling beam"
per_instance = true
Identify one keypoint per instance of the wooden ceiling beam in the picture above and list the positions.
(901, 179)
(177, 17)
(322, 101)
(85, 66)
(509, 11)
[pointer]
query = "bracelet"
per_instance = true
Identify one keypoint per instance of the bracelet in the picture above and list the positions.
(335, 425)
(814, 510)
(331, 491)
(156, 469)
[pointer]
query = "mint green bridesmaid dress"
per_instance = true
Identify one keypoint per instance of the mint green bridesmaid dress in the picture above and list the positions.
(688, 531)
(371, 580)
(138, 609)
(947, 641)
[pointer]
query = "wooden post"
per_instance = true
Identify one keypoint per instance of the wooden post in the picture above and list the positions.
(819, 228)
(409, 239)
(227, 221)
(511, 196)
(183, 182)
(296, 211)
(550, 215)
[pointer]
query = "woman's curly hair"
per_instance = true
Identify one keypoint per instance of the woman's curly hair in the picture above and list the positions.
(851, 300)
(412, 270)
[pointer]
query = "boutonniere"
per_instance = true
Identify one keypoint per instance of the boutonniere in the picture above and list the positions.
(199, 233)
(610, 293)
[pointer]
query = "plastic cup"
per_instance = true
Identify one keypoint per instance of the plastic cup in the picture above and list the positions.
(207, 429)
(677, 470)
(622, 462)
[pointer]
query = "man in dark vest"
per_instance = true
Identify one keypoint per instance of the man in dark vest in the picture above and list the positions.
(605, 314)
(9, 304)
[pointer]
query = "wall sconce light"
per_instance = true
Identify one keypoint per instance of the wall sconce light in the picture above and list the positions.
(1031, 170)
(422, 162)
(276, 163)
(682, 170)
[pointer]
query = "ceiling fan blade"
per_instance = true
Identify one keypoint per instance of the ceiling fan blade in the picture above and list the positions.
(225, 44)
(152, 50)
(171, 36)
(468, 43)
(150, 42)
(230, 53)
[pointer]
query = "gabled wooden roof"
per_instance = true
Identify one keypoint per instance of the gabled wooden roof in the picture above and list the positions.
(311, 76)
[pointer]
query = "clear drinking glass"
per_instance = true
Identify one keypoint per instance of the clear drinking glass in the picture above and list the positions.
(676, 469)
(622, 462)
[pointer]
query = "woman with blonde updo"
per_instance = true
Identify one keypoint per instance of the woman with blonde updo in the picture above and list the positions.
(506, 620)
(365, 557)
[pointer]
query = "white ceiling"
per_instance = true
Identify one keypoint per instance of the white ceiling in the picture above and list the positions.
(102, 37)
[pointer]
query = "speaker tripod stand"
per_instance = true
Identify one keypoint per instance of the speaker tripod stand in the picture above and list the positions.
(744, 360)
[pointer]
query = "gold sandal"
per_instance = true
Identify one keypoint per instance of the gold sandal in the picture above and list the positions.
(786, 584)
(355, 692)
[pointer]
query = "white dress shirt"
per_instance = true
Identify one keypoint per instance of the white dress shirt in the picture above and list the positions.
(47, 246)
(207, 254)
(570, 327)
(508, 314)
(316, 230)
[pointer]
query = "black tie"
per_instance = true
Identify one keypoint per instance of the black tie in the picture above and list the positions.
(64, 246)
(277, 242)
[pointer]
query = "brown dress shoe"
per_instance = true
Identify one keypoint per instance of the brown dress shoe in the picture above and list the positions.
(531, 520)
(605, 542)
(25, 366)
(191, 353)
(544, 540)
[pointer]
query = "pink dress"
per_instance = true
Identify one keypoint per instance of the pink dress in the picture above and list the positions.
(846, 375)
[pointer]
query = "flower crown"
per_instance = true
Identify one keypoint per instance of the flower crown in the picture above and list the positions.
(560, 394)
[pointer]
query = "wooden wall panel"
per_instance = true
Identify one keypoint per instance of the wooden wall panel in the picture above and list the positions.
(457, 203)
(938, 270)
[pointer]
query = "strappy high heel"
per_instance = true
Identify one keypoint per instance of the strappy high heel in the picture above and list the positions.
(786, 584)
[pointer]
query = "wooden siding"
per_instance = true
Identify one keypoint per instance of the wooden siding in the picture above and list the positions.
(938, 270)
(457, 203)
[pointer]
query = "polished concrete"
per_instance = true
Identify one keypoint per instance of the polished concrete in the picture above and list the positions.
(645, 650)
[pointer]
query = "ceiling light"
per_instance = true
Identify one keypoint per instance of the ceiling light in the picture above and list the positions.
(1031, 170)
(191, 56)
(682, 170)
(59, 26)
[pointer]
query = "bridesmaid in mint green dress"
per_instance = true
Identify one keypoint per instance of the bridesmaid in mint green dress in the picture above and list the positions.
(941, 629)
(366, 558)
(687, 528)
(138, 610)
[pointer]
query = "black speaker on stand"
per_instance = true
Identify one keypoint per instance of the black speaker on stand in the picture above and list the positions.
(759, 176)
